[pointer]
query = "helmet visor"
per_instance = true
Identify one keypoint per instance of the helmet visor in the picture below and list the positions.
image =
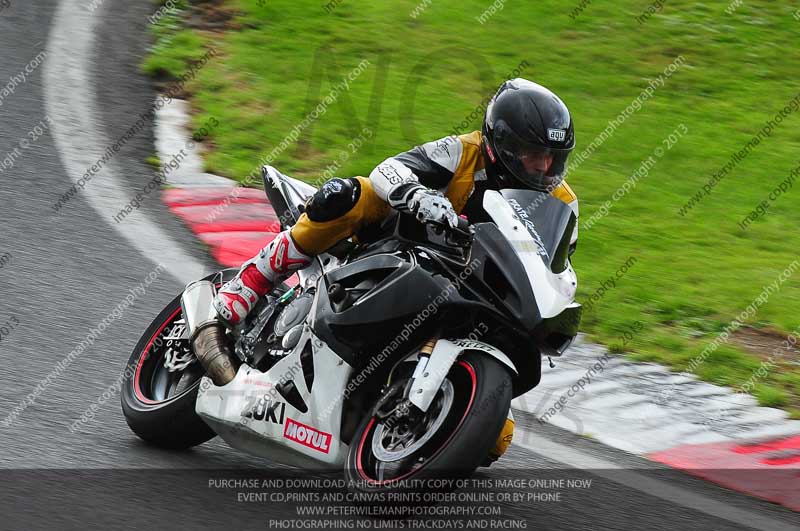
(537, 167)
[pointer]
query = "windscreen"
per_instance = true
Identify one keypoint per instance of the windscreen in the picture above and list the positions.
(549, 221)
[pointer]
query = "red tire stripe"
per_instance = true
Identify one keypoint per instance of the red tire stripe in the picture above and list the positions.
(136, 387)
(359, 465)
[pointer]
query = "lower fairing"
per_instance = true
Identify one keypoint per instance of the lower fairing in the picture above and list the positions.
(253, 414)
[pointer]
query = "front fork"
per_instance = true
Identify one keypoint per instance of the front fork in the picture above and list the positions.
(436, 357)
(422, 362)
(435, 360)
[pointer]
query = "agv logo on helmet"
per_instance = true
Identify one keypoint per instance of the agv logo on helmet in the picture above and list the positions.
(556, 135)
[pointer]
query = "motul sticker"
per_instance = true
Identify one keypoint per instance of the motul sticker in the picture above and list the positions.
(307, 436)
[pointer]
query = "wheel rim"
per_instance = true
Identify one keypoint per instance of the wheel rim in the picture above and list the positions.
(376, 471)
(153, 382)
(394, 441)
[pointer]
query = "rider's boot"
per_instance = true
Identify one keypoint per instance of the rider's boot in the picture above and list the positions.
(257, 277)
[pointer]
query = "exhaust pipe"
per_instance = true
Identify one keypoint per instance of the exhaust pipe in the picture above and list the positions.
(206, 333)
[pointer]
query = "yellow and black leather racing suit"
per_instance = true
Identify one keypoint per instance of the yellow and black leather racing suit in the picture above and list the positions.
(454, 165)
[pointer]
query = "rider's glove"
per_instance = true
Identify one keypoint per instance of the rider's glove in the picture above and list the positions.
(426, 204)
(432, 205)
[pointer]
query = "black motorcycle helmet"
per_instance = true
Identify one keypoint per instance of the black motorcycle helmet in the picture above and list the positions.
(527, 136)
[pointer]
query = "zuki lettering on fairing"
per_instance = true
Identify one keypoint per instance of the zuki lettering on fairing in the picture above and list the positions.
(307, 436)
(265, 409)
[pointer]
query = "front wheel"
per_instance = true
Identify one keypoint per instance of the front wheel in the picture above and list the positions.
(161, 384)
(450, 440)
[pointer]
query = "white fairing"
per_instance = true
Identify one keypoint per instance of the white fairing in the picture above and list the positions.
(553, 292)
(296, 192)
(300, 190)
(283, 433)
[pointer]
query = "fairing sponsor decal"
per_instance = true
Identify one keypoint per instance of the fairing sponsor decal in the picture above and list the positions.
(265, 409)
(307, 436)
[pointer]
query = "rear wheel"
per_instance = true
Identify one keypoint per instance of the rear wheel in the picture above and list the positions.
(450, 440)
(161, 384)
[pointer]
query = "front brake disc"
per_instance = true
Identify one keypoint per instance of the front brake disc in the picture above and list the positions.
(393, 441)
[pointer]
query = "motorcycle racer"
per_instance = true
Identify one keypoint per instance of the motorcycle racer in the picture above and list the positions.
(525, 141)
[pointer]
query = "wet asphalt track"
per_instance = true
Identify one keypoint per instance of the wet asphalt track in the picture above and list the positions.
(67, 270)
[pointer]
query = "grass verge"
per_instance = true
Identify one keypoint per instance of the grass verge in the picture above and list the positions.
(427, 72)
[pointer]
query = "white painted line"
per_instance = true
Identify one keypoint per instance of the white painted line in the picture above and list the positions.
(630, 478)
(71, 104)
(171, 131)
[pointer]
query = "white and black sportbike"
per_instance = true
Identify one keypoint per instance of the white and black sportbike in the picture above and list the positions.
(395, 357)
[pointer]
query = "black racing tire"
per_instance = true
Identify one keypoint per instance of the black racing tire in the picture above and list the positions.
(461, 443)
(165, 421)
